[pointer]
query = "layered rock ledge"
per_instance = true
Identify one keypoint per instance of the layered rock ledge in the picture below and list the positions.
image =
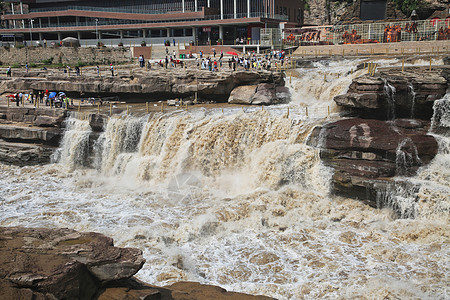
(367, 153)
(29, 136)
(145, 85)
(395, 94)
(39, 263)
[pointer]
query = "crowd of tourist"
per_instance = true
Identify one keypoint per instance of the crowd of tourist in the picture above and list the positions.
(52, 99)
(215, 61)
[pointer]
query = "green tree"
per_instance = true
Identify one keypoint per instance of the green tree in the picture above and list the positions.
(407, 6)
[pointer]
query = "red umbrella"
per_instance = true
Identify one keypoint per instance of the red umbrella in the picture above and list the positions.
(232, 53)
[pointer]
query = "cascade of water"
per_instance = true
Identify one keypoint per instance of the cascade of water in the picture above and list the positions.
(316, 87)
(74, 145)
(121, 136)
(389, 91)
(412, 96)
(406, 157)
(440, 122)
(401, 196)
(426, 195)
(220, 148)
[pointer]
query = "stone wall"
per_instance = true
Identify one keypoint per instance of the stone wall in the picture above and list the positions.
(65, 55)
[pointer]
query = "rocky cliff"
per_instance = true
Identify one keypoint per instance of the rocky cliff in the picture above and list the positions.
(326, 12)
(396, 94)
(29, 136)
(38, 263)
(142, 85)
(389, 136)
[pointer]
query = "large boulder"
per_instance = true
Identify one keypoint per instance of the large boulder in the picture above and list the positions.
(261, 94)
(242, 94)
(265, 94)
(364, 151)
(60, 263)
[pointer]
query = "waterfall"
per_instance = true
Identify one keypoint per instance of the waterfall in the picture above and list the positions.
(406, 157)
(412, 96)
(389, 91)
(74, 145)
(427, 194)
(222, 149)
(440, 122)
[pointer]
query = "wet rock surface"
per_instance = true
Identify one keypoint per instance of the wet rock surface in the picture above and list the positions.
(23, 154)
(395, 94)
(365, 151)
(38, 263)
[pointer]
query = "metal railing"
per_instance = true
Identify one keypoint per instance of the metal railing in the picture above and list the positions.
(387, 32)
(158, 12)
(112, 9)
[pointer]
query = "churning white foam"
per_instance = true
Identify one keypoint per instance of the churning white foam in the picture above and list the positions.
(234, 199)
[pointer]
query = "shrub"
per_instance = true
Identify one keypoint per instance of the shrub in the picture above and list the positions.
(48, 61)
(143, 44)
(80, 64)
(33, 65)
(120, 44)
(15, 65)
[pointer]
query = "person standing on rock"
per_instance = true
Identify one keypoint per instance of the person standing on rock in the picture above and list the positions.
(8, 72)
(98, 71)
(112, 70)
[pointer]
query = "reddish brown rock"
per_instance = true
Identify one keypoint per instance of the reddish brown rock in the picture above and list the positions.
(61, 263)
(365, 151)
(392, 93)
(38, 263)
